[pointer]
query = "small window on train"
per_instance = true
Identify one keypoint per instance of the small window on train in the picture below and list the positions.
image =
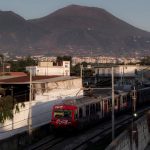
(92, 109)
(80, 113)
(115, 102)
(110, 102)
(124, 99)
(87, 110)
(98, 107)
(62, 113)
(75, 115)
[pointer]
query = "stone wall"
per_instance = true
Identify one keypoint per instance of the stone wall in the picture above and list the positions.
(136, 137)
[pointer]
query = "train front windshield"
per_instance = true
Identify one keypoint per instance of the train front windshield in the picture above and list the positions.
(62, 114)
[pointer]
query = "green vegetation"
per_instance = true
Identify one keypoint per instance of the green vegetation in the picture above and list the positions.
(20, 65)
(145, 61)
(7, 105)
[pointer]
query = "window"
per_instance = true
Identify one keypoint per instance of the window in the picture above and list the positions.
(80, 112)
(98, 107)
(115, 102)
(66, 66)
(87, 110)
(92, 109)
(62, 114)
(75, 114)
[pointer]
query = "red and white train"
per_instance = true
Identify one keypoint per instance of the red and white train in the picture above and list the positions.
(79, 112)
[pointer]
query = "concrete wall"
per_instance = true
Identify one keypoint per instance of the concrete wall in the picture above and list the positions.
(135, 138)
(21, 141)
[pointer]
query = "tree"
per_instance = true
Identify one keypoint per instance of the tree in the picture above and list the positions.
(145, 61)
(6, 108)
(63, 58)
(20, 65)
(76, 70)
(7, 105)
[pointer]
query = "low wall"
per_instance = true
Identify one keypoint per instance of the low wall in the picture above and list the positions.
(136, 137)
(22, 140)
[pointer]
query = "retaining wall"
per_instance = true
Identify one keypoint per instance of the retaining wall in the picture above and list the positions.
(136, 137)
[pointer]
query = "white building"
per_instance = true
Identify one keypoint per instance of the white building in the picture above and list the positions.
(46, 68)
(120, 70)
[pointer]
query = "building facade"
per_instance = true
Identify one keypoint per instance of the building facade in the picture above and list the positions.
(46, 68)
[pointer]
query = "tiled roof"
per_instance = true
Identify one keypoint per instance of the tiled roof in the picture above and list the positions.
(17, 74)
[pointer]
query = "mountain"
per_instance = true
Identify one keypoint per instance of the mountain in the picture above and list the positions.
(16, 34)
(73, 30)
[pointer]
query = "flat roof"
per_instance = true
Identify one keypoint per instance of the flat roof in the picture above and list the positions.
(35, 79)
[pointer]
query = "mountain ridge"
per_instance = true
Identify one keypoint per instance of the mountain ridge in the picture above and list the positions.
(72, 30)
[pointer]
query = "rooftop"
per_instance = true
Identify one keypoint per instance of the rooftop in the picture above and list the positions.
(35, 79)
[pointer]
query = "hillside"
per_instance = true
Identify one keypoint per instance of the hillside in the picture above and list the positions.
(73, 30)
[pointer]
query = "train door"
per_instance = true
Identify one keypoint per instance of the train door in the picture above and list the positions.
(98, 110)
(121, 102)
(116, 103)
(80, 112)
(125, 101)
(105, 108)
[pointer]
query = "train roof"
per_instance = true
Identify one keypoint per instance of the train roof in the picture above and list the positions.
(98, 95)
(88, 99)
(82, 101)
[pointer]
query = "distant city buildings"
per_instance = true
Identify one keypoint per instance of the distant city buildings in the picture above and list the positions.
(105, 60)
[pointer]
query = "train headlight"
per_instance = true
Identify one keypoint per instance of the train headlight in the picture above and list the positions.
(135, 114)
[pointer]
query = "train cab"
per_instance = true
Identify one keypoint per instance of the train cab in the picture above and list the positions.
(64, 116)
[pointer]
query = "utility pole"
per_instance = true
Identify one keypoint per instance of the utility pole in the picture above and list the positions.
(30, 109)
(133, 114)
(3, 64)
(113, 118)
(12, 94)
(134, 100)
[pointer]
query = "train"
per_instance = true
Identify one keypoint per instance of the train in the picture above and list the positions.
(78, 113)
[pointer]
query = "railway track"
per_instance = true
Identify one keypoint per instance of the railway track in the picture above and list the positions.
(46, 143)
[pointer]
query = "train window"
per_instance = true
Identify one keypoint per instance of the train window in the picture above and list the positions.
(80, 112)
(92, 109)
(75, 114)
(110, 102)
(115, 102)
(62, 114)
(124, 99)
(58, 114)
(98, 107)
(87, 110)
(67, 114)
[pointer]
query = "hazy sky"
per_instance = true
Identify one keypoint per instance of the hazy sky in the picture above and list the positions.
(135, 12)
